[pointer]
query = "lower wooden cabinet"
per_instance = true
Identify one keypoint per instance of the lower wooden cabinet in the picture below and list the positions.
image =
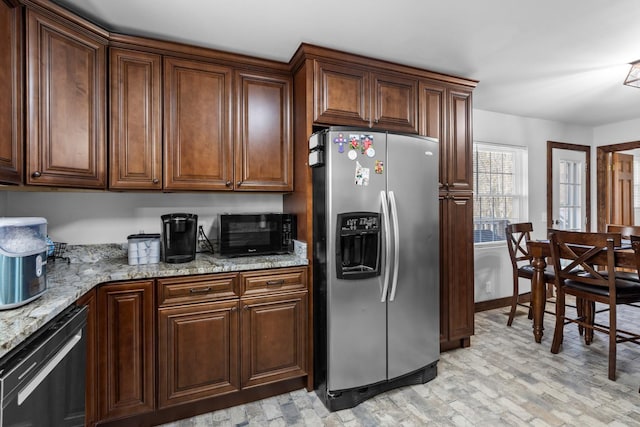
(273, 338)
(215, 339)
(197, 351)
(126, 349)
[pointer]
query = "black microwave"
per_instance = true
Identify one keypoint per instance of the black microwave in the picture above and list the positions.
(256, 234)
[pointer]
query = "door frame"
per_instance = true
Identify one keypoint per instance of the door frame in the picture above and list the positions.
(602, 189)
(576, 147)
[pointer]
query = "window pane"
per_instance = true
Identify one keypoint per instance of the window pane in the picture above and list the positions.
(500, 196)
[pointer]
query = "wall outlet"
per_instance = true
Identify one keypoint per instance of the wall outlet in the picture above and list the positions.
(488, 287)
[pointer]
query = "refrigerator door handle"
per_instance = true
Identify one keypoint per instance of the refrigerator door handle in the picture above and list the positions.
(385, 220)
(396, 244)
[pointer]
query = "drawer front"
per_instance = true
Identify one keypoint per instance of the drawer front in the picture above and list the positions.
(276, 280)
(210, 287)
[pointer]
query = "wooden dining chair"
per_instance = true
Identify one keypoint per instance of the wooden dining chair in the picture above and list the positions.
(517, 236)
(626, 231)
(578, 258)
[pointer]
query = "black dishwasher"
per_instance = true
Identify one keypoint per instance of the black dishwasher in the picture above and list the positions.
(43, 381)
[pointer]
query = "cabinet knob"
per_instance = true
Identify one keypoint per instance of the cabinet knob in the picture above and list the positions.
(238, 184)
(155, 180)
(36, 174)
(228, 183)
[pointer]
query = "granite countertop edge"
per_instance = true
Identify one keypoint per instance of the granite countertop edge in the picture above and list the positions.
(66, 282)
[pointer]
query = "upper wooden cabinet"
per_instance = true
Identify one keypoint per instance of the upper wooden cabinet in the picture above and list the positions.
(456, 166)
(65, 131)
(198, 149)
(263, 149)
(135, 120)
(445, 114)
(11, 88)
(359, 96)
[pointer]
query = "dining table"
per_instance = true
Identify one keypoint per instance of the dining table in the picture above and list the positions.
(540, 250)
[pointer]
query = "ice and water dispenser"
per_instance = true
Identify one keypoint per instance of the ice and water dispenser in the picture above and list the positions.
(358, 245)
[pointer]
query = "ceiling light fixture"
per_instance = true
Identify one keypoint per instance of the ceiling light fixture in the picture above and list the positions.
(633, 78)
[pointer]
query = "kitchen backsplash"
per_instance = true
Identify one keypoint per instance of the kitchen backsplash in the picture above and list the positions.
(82, 218)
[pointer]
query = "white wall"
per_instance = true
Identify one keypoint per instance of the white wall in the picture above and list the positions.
(103, 217)
(616, 133)
(492, 265)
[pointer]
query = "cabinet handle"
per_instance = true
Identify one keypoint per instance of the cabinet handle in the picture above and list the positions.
(36, 174)
(228, 183)
(155, 180)
(200, 291)
(234, 308)
(238, 184)
(275, 282)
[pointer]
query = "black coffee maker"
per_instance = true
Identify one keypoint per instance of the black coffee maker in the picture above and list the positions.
(179, 237)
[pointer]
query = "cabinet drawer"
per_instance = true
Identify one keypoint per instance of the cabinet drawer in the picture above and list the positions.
(181, 290)
(277, 280)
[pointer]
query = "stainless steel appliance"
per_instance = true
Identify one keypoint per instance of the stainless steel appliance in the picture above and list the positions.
(23, 260)
(256, 233)
(179, 237)
(376, 278)
(43, 381)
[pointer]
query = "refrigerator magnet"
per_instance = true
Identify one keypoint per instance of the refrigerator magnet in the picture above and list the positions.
(362, 175)
(379, 167)
(370, 152)
(353, 154)
(340, 140)
(367, 143)
(354, 141)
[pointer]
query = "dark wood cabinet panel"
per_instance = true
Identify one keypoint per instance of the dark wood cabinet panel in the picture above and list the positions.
(456, 267)
(135, 146)
(198, 354)
(126, 349)
(395, 102)
(198, 148)
(66, 71)
(459, 156)
(273, 338)
(91, 391)
(11, 88)
(263, 150)
(349, 95)
(341, 94)
(432, 123)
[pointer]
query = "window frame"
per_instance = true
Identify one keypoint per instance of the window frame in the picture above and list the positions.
(520, 191)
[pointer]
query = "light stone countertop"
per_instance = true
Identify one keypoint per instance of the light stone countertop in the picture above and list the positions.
(95, 264)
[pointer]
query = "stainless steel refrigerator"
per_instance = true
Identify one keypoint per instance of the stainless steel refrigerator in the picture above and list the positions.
(376, 286)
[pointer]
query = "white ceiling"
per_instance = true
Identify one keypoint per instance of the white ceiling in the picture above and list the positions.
(561, 60)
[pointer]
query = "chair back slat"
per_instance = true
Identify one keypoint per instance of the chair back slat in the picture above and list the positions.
(517, 237)
(626, 231)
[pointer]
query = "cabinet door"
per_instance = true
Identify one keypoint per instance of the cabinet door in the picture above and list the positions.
(263, 150)
(135, 148)
(197, 126)
(395, 102)
(11, 88)
(197, 351)
(432, 119)
(456, 266)
(458, 167)
(126, 356)
(341, 94)
(66, 70)
(273, 338)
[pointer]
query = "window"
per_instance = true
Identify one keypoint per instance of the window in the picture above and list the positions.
(500, 182)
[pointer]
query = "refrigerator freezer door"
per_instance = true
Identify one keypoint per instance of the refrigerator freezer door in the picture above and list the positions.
(356, 317)
(413, 316)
